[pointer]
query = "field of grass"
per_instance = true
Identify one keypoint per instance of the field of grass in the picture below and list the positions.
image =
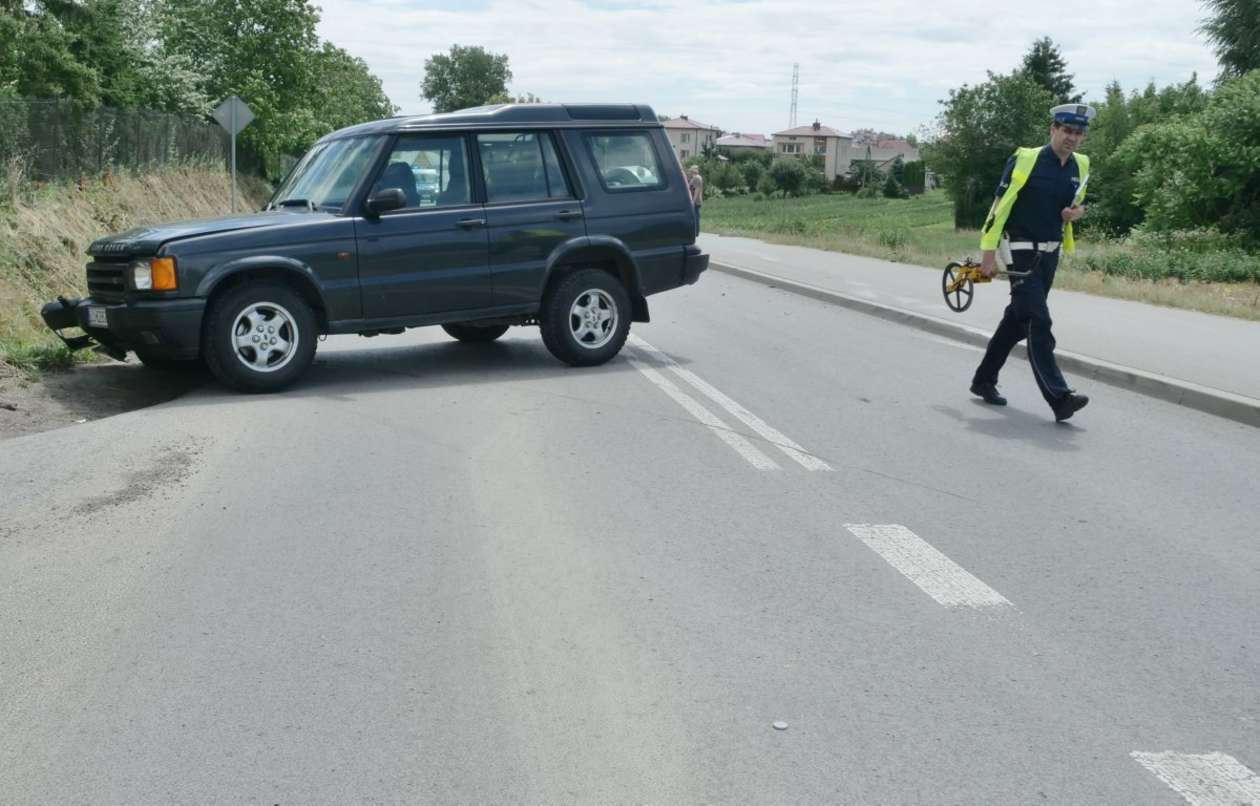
(920, 231)
(45, 230)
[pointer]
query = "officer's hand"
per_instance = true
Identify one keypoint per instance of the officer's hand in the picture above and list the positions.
(988, 264)
(1073, 213)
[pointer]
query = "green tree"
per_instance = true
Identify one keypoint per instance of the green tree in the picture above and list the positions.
(1201, 170)
(346, 92)
(752, 170)
(789, 176)
(1045, 65)
(979, 129)
(261, 50)
(467, 76)
(1113, 206)
(1234, 31)
(37, 58)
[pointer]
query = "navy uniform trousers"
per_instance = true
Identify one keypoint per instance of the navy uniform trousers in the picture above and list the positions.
(1027, 317)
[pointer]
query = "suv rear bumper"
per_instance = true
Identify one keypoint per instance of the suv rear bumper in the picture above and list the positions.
(694, 262)
(161, 328)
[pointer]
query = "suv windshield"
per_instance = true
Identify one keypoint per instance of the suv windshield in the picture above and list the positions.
(327, 174)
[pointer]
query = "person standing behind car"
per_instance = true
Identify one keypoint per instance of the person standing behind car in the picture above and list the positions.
(696, 185)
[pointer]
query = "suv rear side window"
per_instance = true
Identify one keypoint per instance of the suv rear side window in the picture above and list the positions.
(626, 161)
(521, 166)
(430, 171)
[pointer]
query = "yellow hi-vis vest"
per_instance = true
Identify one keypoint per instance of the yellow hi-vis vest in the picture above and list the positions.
(1025, 159)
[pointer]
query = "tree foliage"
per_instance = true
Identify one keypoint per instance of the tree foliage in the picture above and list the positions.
(1234, 31)
(466, 77)
(1045, 65)
(187, 55)
(1113, 206)
(1201, 170)
(979, 128)
(789, 176)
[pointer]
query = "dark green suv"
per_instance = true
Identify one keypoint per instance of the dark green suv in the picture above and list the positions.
(563, 216)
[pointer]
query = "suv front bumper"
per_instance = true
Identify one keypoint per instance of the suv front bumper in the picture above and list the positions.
(161, 328)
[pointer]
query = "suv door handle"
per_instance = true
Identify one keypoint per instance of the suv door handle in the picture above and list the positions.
(568, 215)
(469, 223)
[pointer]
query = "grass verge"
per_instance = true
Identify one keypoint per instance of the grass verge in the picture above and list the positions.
(45, 229)
(920, 231)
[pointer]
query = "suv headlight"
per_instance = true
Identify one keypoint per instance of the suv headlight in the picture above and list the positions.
(155, 274)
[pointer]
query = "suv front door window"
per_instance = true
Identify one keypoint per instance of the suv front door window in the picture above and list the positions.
(432, 255)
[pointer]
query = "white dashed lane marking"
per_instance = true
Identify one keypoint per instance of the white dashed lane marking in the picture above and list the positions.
(763, 429)
(1214, 779)
(936, 575)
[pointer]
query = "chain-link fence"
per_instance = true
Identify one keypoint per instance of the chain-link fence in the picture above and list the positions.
(59, 139)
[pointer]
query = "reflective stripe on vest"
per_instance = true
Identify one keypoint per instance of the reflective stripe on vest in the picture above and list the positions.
(1025, 160)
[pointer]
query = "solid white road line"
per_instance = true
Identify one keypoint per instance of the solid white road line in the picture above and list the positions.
(772, 435)
(1211, 780)
(742, 446)
(937, 575)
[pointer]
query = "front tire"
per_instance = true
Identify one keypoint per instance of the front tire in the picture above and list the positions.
(472, 334)
(586, 318)
(259, 337)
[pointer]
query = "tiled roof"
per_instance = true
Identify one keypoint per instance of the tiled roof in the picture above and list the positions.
(810, 131)
(686, 123)
(745, 140)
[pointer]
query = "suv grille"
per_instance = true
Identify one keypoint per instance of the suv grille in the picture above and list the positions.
(107, 279)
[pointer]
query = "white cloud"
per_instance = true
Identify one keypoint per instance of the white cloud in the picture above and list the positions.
(875, 64)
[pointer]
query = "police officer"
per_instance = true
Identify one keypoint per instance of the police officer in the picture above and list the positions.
(1037, 200)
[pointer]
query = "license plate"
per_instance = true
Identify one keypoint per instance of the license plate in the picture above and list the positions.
(97, 317)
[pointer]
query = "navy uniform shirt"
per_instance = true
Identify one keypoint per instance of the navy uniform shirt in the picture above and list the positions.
(1036, 215)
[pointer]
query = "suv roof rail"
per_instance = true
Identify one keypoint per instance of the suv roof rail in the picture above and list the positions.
(609, 112)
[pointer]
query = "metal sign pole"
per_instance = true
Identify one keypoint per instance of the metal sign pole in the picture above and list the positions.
(234, 160)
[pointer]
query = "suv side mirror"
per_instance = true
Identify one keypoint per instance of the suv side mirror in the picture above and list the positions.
(382, 201)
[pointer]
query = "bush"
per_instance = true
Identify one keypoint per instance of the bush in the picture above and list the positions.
(752, 170)
(846, 183)
(893, 190)
(766, 185)
(895, 238)
(1186, 255)
(789, 175)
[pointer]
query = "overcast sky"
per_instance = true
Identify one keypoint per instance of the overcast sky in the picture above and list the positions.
(881, 64)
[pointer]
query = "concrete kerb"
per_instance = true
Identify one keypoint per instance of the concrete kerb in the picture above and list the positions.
(1183, 393)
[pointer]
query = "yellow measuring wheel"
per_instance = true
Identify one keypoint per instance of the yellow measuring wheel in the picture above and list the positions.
(959, 280)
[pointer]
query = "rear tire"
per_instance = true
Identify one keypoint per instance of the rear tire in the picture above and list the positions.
(472, 333)
(586, 318)
(259, 337)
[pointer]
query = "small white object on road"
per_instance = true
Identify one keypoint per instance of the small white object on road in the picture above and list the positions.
(780, 726)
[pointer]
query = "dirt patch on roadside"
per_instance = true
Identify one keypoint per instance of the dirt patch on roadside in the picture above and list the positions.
(89, 392)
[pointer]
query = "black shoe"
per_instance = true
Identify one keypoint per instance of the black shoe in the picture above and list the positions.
(988, 393)
(1068, 405)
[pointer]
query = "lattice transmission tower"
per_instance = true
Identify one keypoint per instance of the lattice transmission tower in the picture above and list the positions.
(796, 80)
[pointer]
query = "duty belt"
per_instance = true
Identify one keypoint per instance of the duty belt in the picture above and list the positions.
(1028, 246)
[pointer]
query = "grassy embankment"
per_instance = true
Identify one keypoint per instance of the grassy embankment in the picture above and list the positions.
(45, 230)
(920, 231)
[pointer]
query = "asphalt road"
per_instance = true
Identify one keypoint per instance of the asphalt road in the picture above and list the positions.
(436, 572)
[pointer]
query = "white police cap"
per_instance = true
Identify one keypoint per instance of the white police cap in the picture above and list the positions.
(1073, 114)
